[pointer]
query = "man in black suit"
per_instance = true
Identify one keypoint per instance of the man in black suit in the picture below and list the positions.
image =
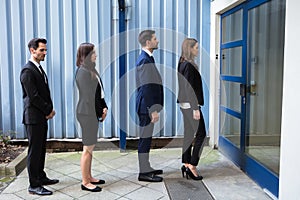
(149, 102)
(38, 109)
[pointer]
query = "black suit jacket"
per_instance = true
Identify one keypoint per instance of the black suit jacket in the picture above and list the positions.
(190, 85)
(36, 95)
(150, 96)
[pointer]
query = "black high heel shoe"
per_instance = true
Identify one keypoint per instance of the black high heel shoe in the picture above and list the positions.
(189, 173)
(183, 170)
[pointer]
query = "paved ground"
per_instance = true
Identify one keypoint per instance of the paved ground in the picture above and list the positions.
(223, 179)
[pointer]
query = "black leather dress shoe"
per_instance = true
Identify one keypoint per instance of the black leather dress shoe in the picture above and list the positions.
(98, 182)
(96, 189)
(39, 191)
(47, 181)
(156, 171)
(149, 177)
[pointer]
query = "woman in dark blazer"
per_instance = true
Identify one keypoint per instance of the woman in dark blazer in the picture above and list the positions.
(91, 109)
(190, 99)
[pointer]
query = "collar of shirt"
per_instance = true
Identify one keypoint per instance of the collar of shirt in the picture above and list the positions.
(147, 51)
(36, 64)
(101, 86)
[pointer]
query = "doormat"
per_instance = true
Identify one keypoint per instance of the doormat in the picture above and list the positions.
(180, 188)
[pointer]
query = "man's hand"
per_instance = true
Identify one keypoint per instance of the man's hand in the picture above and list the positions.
(196, 114)
(154, 117)
(51, 115)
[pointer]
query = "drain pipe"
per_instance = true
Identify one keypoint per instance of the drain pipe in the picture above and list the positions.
(122, 71)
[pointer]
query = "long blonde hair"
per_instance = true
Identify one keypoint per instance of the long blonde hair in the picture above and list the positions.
(186, 47)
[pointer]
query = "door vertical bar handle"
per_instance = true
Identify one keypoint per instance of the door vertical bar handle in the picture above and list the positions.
(243, 90)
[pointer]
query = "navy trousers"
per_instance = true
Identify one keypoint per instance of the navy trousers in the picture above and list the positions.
(144, 145)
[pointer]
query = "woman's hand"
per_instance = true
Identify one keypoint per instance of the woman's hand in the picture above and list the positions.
(104, 113)
(196, 114)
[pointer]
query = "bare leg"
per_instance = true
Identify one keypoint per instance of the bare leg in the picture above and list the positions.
(86, 164)
(193, 169)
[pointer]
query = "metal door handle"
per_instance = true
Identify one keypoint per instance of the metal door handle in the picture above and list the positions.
(243, 90)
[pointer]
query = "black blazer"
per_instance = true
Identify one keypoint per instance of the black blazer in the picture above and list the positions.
(90, 101)
(150, 96)
(100, 103)
(36, 95)
(190, 85)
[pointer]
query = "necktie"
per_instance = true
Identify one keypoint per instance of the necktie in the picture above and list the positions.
(43, 73)
(152, 58)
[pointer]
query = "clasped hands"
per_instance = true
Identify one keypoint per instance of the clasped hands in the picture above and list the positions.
(104, 113)
(154, 117)
(51, 115)
(196, 114)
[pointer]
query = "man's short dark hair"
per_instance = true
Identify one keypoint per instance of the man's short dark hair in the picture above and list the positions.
(144, 36)
(34, 43)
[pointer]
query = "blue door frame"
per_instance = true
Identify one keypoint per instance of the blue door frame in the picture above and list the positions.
(258, 172)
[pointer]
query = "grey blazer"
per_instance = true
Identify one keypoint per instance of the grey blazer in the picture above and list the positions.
(90, 101)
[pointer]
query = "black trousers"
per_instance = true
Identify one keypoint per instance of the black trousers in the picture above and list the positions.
(37, 136)
(194, 131)
(144, 145)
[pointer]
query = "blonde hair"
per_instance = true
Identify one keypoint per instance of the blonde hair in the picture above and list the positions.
(186, 47)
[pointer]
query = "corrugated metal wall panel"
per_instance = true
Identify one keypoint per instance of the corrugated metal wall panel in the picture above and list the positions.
(68, 23)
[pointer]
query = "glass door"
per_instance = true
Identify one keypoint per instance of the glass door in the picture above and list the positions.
(233, 79)
(251, 75)
(265, 47)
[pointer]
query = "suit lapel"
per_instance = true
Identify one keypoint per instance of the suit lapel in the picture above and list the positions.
(35, 69)
(38, 73)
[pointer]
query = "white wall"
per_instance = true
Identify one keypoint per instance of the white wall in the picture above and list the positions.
(289, 182)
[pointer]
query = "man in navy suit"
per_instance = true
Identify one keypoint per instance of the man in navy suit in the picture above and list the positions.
(38, 108)
(149, 103)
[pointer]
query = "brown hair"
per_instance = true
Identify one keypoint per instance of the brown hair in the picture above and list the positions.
(186, 47)
(84, 53)
(144, 36)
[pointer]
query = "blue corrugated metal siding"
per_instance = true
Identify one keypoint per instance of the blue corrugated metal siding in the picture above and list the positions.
(68, 23)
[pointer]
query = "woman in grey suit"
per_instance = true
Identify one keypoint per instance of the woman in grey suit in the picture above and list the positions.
(91, 109)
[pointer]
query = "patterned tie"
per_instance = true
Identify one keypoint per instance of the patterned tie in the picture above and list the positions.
(43, 73)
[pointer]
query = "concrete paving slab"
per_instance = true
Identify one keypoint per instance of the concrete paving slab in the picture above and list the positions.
(120, 170)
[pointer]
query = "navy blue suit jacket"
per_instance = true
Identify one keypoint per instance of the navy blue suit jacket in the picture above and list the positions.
(150, 95)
